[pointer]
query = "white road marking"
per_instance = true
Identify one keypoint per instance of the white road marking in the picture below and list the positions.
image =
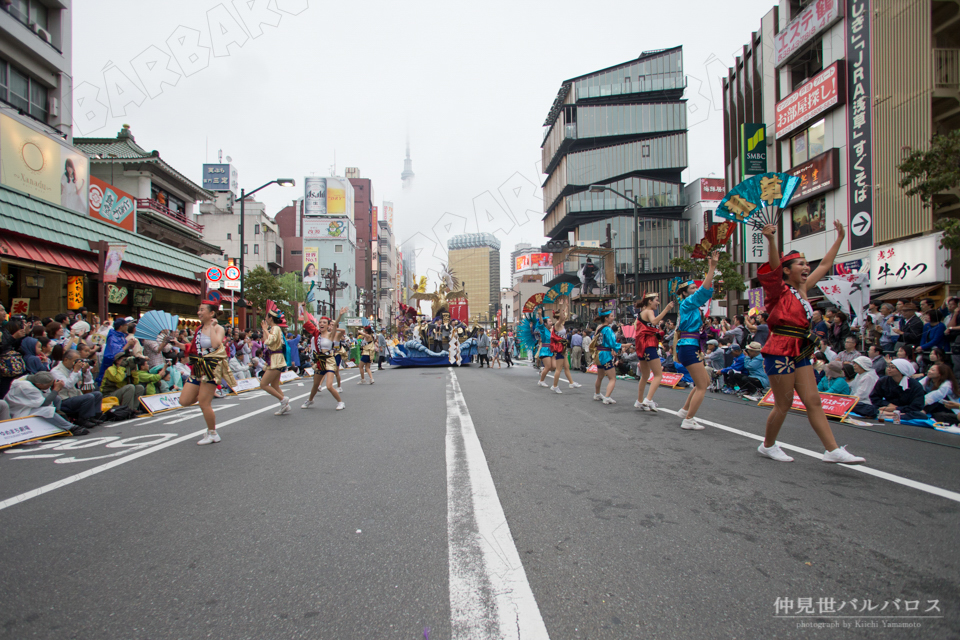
(870, 471)
(490, 597)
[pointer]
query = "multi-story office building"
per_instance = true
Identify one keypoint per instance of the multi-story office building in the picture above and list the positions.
(363, 218)
(474, 258)
(289, 223)
(623, 127)
(825, 78)
(387, 260)
(262, 244)
(36, 62)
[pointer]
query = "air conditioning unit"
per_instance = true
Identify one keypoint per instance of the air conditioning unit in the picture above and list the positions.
(55, 107)
(43, 33)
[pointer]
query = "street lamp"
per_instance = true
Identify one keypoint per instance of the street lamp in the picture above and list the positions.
(600, 188)
(283, 182)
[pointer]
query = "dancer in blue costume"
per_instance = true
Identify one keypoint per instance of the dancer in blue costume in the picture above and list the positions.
(543, 327)
(691, 342)
(607, 346)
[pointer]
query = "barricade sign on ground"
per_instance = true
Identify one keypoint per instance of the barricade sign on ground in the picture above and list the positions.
(669, 379)
(28, 429)
(592, 368)
(287, 376)
(308, 372)
(161, 402)
(246, 384)
(834, 404)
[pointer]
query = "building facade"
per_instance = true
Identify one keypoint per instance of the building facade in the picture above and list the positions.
(262, 243)
(825, 78)
(387, 284)
(527, 260)
(623, 127)
(474, 258)
(363, 218)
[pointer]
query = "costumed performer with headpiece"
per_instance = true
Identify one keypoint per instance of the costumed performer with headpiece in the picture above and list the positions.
(559, 344)
(543, 329)
(606, 346)
(786, 354)
(324, 335)
(208, 364)
(691, 341)
(273, 343)
(647, 336)
(368, 352)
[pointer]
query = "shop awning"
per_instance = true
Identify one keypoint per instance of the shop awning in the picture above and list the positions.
(38, 251)
(151, 279)
(908, 293)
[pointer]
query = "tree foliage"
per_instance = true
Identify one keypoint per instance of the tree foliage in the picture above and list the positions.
(729, 279)
(260, 285)
(294, 291)
(932, 172)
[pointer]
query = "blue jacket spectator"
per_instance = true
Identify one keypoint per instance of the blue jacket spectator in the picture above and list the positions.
(833, 381)
(933, 332)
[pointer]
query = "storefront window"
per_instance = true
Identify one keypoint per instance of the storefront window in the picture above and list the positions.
(809, 217)
(798, 148)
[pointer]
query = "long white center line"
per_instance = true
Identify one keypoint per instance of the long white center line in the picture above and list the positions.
(870, 471)
(490, 597)
(23, 497)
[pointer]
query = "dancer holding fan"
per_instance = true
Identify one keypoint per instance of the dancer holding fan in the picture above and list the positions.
(786, 355)
(324, 335)
(275, 347)
(647, 336)
(208, 365)
(690, 341)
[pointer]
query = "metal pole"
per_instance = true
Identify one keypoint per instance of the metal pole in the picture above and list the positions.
(636, 248)
(243, 196)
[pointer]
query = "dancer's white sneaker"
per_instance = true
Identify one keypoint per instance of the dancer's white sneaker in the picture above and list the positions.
(682, 413)
(307, 404)
(341, 406)
(541, 383)
(211, 437)
(841, 455)
(284, 407)
(637, 405)
(609, 400)
(690, 423)
(597, 396)
(774, 453)
(575, 385)
(649, 405)
(556, 389)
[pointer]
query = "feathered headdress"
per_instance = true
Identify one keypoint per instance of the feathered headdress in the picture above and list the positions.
(278, 318)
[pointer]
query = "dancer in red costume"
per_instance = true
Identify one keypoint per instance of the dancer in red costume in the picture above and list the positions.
(324, 335)
(786, 355)
(647, 336)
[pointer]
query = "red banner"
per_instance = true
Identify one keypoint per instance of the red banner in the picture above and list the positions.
(815, 96)
(834, 405)
(669, 379)
(112, 205)
(460, 310)
(711, 189)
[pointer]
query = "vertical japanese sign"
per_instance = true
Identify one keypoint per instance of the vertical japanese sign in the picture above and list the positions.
(755, 296)
(74, 292)
(859, 124)
(754, 246)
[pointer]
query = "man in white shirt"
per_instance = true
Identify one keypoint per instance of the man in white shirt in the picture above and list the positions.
(84, 407)
(36, 395)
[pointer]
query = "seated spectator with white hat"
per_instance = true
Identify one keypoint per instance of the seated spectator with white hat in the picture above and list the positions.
(897, 391)
(863, 385)
(37, 395)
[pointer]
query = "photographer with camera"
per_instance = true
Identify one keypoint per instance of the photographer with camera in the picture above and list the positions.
(83, 408)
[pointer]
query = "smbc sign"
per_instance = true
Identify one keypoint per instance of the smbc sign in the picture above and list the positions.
(753, 149)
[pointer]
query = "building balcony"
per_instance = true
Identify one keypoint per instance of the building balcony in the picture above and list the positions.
(157, 209)
(946, 69)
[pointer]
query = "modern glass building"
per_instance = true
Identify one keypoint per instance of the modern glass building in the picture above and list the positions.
(474, 258)
(624, 127)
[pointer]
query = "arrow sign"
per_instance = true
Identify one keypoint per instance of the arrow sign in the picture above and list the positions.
(861, 223)
(232, 273)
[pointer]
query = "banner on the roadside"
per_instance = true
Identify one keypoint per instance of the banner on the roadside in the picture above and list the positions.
(161, 402)
(28, 429)
(669, 379)
(834, 404)
(246, 384)
(288, 376)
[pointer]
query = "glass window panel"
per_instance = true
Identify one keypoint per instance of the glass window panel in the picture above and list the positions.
(19, 90)
(799, 148)
(816, 135)
(38, 14)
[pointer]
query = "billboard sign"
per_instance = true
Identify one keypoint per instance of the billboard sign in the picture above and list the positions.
(753, 148)
(816, 18)
(314, 196)
(532, 260)
(817, 175)
(388, 213)
(220, 177)
(330, 229)
(112, 205)
(336, 197)
(711, 189)
(817, 95)
(860, 180)
(311, 264)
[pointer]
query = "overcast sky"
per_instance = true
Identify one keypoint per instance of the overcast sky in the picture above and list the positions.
(471, 85)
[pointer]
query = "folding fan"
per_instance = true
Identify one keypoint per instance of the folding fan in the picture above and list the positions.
(152, 324)
(757, 201)
(715, 237)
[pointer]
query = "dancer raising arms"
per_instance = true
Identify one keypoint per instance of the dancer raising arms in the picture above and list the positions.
(647, 336)
(208, 365)
(543, 327)
(605, 345)
(324, 337)
(559, 344)
(786, 355)
(368, 351)
(691, 342)
(274, 347)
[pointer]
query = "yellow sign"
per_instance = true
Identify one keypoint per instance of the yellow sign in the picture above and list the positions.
(29, 161)
(74, 292)
(336, 201)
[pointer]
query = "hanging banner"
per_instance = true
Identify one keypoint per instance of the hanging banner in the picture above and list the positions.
(460, 310)
(311, 264)
(860, 124)
(74, 292)
(112, 205)
(755, 298)
(114, 259)
(20, 430)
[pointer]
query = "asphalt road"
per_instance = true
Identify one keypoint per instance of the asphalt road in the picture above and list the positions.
(388, 520)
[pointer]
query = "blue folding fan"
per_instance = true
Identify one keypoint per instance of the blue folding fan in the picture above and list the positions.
(152, 324)
(757, 201)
